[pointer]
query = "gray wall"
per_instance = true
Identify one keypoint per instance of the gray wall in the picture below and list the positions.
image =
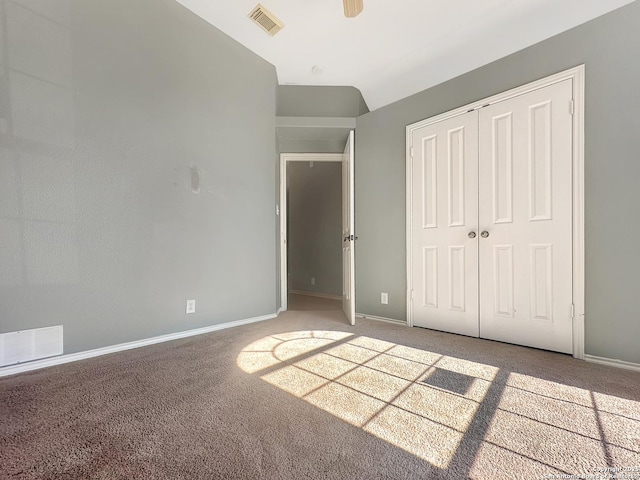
(315, 227)
(320, 101)
(311, 145)
(105, 107)
(610, 48)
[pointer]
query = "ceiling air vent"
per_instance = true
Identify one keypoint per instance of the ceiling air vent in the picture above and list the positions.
(266, 20)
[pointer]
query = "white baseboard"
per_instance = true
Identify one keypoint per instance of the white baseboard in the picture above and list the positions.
(381, 319)
(314, 294)
(74, 357)
(612, 362)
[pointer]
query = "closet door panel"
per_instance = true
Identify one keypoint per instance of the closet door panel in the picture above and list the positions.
(444, 212)
(525, 212)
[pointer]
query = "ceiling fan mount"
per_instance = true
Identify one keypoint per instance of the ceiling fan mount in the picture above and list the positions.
(352, 8)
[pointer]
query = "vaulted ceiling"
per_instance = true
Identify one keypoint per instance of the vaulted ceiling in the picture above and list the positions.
(394, 48)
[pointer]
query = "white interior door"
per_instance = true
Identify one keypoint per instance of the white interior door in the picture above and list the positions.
(348, 236)
(444, 242)
(525, 216)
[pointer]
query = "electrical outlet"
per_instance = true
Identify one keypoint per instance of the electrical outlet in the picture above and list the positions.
(191, 306)
(384, 298)
(313, 280)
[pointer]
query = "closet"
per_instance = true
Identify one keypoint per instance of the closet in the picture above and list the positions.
(490, 222)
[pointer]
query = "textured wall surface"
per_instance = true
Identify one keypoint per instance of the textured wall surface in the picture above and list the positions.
(315, 227)
(137, 171)
(320, 101)
(609, 47)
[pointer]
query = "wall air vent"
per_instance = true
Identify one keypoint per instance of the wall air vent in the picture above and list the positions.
(266, 20)
(27, 345)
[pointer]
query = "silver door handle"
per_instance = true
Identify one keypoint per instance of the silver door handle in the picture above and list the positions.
(484, 234)
(471, 235)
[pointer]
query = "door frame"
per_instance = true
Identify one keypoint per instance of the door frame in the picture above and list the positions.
(577, 76)
(284, 158)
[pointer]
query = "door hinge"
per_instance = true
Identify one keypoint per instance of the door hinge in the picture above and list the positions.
(411, 152)
(572, 107)
(573, 311)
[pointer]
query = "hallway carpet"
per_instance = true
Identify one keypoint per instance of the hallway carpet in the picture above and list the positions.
(307, 396)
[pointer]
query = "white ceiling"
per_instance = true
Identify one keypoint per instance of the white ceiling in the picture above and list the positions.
(394, 48)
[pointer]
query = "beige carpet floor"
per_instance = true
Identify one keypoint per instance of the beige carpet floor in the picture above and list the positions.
(306, 396)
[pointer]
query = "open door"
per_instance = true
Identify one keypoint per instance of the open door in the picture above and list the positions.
(348, 237)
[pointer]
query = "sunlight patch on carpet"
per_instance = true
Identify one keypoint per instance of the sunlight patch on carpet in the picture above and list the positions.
(427, 404)
(394, 392)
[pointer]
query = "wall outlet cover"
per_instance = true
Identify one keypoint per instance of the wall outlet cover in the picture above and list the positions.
(384, 298)
(191, 306)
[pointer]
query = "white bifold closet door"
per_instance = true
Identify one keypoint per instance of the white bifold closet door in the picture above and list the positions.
(444, 213)
(526, 211)
(491, 226)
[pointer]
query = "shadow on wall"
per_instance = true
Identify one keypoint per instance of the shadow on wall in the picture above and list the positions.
(38, 218)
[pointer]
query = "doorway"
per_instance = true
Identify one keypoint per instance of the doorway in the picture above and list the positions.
(292, 165)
